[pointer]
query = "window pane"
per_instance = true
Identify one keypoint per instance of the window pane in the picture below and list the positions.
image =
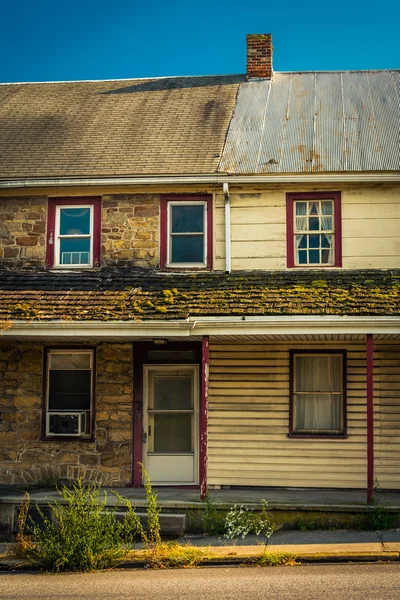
(187, 219)
(301, 208)
(187, 249)
(173, 433)
(313, 257)
(318, 412)
(302, 257)
(327, 207)
(74, 221)
(326, 224)
(314, 241)
(70, 361)
(75, 251)
(69, 390)
(313, 223)
(173, 392)
(314, 208)
(319, 373)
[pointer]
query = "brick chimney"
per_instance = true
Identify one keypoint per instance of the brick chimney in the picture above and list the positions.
(259, 55)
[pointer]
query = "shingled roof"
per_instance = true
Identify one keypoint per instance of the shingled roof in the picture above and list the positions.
(126, 294)
(173, 125)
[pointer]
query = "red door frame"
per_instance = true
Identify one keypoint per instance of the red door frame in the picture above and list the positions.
(141, 357)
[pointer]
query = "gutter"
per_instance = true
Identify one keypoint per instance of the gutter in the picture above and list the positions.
(227, 227)
(197, 327)
(216, 179)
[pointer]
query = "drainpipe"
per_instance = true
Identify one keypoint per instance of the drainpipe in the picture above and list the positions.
(225, 187)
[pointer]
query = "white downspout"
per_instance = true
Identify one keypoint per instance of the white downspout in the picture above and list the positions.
(225, 187)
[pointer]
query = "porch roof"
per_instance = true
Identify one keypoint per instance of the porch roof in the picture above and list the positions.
(143, 295)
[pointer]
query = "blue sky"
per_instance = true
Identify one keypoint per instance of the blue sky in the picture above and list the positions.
(88, 39)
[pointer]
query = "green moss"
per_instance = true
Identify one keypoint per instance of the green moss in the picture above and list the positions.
(160, 309)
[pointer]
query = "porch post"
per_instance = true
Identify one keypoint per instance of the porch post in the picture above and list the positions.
(204, 415)
(370, 418)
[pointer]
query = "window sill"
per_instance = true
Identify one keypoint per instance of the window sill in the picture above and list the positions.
(67, 438)
(318, 436)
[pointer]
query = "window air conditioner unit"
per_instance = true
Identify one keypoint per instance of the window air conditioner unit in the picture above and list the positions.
(62, 423)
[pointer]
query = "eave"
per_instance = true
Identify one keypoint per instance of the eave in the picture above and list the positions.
(302, 326)
(211, 179)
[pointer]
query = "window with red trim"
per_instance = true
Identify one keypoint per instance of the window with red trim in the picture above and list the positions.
(317, 393)
(73, 232)
(314, 229)
(186, 232)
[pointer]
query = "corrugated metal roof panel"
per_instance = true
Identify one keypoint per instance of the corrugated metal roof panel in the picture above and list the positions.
(321, 122)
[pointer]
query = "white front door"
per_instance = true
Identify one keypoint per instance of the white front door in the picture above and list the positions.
(170, 420)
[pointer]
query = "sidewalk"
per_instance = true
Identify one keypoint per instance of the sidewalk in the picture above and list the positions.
(304, 546)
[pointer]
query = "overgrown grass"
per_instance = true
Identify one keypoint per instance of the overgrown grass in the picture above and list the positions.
(275, 559)
(168, 555)
(82, 532)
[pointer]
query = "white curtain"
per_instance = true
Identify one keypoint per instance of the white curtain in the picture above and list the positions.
(316, 377)
(301, 225)
(327, 225)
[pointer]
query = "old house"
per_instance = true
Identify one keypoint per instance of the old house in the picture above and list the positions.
(202, 274)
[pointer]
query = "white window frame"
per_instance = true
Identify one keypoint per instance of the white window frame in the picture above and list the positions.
(49, 412)
(198, 265)
(309, 232)
(58, 237)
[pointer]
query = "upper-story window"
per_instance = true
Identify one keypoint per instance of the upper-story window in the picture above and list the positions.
(314, 232)
(186, 232)
(73, 232)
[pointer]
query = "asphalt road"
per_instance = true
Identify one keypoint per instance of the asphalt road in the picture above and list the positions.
(316, 582)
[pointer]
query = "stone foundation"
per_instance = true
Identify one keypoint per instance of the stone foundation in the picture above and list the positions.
(26, 458)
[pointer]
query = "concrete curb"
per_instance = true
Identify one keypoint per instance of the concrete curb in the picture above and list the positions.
(242, 558)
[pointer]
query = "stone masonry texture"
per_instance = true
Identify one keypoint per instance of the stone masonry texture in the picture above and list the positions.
(129, 236)
(26, 458)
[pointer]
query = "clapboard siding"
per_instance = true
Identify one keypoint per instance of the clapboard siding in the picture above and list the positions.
(370, 226)
(387, 443)
(249, 420)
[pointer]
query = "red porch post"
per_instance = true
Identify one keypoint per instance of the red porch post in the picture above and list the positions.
(204, 416)
(370, 418)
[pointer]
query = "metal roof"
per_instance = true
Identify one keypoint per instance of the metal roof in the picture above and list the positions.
(316, 122)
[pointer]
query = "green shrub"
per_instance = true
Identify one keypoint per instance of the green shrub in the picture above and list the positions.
(82, 533)
(212, 521)
(241, 521)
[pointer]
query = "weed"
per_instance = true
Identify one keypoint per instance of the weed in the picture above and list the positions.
(242, 521)
(379, 517)
(274, 559)
(171, 554)
(153, 535)
(213, 523)
(82, 533)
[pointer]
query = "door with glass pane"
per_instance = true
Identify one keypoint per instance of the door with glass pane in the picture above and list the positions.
(170, 436)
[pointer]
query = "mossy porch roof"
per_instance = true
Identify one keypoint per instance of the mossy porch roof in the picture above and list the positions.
(130, 294)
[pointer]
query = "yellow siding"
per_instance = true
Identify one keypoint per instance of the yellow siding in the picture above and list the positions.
(370, 224)
(387, 443)
(249, 422)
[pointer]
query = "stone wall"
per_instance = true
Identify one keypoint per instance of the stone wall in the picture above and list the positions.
(25, 458)
(23, 231)
(130, 231)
